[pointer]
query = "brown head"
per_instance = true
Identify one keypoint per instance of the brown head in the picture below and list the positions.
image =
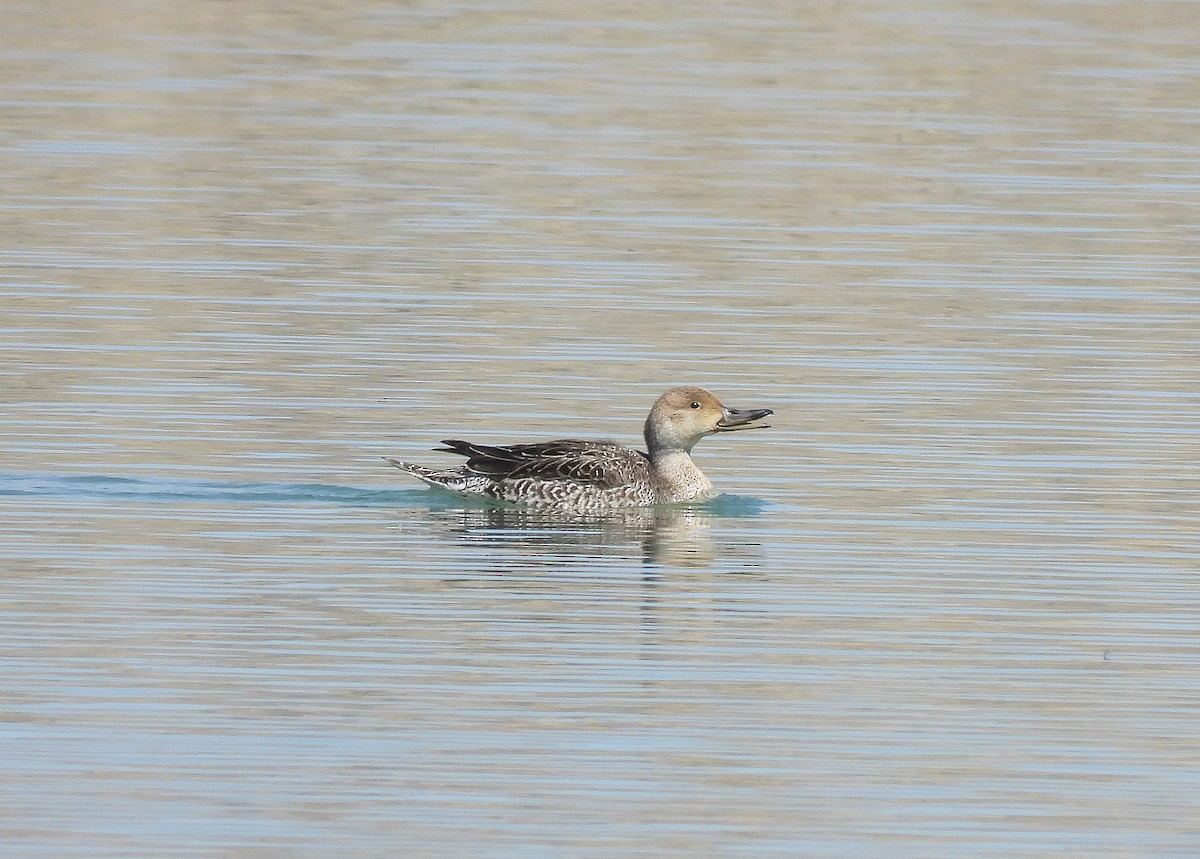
(684, 415)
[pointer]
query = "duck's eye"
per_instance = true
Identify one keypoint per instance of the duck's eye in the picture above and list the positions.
(695, 405)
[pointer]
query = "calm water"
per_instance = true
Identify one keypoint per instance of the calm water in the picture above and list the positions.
(949, 605)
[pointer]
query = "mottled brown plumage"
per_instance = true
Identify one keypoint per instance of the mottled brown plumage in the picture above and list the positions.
(597, 475)
(599, 463)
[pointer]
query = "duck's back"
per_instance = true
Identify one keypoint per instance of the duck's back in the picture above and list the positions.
(570, 471)
(603, 464)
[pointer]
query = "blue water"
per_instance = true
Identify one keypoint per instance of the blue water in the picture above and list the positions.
(173, 491)
(85, 488)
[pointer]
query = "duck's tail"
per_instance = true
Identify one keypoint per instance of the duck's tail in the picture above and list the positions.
(420, 472)
(451, 479)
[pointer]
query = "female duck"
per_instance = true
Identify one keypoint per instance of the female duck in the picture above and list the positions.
(598, 475)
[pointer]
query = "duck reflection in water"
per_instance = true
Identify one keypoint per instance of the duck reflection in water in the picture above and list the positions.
(681, 536)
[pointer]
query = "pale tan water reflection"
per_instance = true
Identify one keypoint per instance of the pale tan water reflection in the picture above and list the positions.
(251, 248)
(666, 535)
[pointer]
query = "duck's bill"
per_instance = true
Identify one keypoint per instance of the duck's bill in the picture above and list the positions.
(740, 419)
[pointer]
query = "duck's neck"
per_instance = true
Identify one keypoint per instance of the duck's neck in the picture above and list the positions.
(678, 477)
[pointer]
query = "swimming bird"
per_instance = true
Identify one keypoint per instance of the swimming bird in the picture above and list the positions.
(598, 475)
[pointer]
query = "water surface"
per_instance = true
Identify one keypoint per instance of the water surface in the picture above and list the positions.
(948, 603)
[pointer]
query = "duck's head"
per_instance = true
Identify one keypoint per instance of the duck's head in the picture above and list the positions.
(684, 415)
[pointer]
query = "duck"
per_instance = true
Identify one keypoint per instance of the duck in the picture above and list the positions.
(583, 476)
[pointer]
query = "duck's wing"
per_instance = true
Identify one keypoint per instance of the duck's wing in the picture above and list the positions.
(597, 463)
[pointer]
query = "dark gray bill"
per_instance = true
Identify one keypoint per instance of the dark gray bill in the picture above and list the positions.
(735, 419)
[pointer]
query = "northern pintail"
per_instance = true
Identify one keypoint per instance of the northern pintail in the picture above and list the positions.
(598, 475)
